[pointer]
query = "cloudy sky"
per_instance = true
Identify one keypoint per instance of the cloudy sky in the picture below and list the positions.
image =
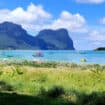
(84, 19)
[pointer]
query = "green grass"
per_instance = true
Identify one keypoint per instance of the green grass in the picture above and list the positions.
(30, 83)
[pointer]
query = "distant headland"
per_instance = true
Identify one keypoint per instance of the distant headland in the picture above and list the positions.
(100, 49)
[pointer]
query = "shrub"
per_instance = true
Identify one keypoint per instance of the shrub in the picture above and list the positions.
(42, 78)
(5, 87)
(55, 92)
(19, 70)
(42, 91)
(97, 69)
(1, 72)
(94, 99)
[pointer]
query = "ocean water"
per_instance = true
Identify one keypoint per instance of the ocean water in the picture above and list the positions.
(92, 57)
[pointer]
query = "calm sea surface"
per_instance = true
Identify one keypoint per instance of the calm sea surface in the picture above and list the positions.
(62, 56)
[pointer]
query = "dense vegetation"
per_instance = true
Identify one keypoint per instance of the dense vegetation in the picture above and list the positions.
(30, 83)
(13, 36)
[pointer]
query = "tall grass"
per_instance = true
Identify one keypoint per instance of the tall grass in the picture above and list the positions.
(72, 82)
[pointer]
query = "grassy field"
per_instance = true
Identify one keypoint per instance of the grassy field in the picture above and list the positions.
(30, 83)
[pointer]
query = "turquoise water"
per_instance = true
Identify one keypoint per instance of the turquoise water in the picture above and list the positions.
(62, 56)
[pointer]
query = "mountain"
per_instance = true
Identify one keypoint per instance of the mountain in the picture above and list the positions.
(58, 38)
(13, 36)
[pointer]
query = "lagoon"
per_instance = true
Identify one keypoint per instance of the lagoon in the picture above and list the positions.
(92, 57)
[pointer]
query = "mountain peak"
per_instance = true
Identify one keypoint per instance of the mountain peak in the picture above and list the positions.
(61, 29)
(11, 29)
(7, 23)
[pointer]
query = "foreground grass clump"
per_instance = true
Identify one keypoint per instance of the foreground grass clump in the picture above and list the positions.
(54, 92)
(5, 87)
(30, 83)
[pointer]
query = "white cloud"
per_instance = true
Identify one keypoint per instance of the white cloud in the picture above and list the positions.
(97, 36)
(98, 43)
(35, 18)
(102, 21)
(31, 18)
(72, 22)
(91, 1)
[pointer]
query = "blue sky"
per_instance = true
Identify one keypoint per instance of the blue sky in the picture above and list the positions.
(84, 19)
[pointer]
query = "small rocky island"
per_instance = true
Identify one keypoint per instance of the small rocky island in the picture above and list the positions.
(100, 49)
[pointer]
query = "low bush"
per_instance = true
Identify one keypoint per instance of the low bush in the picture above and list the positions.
(94, 99)
(54, 92)
(5, 87)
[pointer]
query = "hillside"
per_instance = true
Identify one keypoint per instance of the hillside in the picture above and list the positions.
(13, 36)
(59, 39)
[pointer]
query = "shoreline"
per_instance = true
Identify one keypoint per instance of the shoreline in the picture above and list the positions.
(77, 57)
(32, 62)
